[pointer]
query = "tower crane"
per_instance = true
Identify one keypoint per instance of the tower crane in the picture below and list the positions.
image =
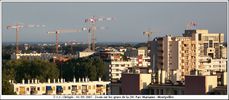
(57, 32)
(148, 34)
(89, 29)
(191, 24)
(19, 26)
(92, 20)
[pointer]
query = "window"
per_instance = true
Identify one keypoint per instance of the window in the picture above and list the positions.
(199, 37)
(38, 88)
(210, 43)
(69, 88)
(89, 87)
(27, 89)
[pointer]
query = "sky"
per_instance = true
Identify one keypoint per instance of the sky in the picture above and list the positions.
(130, 20)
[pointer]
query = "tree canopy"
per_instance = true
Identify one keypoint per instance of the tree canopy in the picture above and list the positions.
(93, 68)
(25, 69)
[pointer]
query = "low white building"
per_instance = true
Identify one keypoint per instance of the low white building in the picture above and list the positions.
(85, 53)
(82, 87)
(41, 56)
(209, 65)
(117, 67)
(32, 56)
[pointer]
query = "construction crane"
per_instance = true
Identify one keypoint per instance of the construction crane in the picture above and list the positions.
(57, 32)
(148, 34)
(191, 25)
(92, 28)
(90, 35)
(19, 26)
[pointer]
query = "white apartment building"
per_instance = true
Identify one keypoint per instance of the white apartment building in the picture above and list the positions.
(141, 55)
(41, 56)
(209, 65)
(32, 56)
(116, 68)
(117, 64)
(82, 87)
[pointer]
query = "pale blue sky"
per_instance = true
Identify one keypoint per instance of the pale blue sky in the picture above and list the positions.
(131, 19)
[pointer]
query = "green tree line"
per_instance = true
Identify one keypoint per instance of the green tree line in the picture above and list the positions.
(93, 68)
(17, 70)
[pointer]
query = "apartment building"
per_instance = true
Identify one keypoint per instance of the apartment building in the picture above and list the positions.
(177, 56)
(194, 85)
(119, 61)
(141, 54)
(135, 81)
(60, 87)
(199, 85)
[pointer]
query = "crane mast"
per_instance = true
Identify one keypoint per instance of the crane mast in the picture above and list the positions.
(57, 32)
(17, 27)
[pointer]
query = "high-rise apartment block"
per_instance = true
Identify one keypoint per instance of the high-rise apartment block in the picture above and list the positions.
(197, 51)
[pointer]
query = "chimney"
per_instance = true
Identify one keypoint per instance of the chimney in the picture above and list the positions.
(23, 81)
(61, 80)
(49, 80)
(99, 78)
(54, 80)
(58, 80)
(83, 80)
(79, 80)
(32, 81)
(35, 81)
(28, 81)
(74, 79)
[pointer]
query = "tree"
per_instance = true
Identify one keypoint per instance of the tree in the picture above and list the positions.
(93, 68)
(7, 88)
(25, 69)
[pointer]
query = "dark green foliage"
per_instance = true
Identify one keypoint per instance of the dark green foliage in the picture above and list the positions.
(25, 69)
(93, 68)
(7, 88)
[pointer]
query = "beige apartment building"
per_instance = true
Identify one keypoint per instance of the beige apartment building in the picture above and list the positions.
(196, 51)
(59, 87)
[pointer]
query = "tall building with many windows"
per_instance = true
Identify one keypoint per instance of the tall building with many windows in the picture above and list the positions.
(197, 51)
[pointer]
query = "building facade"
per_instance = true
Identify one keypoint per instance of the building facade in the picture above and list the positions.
(135, 82)
(82, 87)
(197, 51)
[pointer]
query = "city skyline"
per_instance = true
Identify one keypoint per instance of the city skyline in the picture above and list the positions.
(131, 20)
